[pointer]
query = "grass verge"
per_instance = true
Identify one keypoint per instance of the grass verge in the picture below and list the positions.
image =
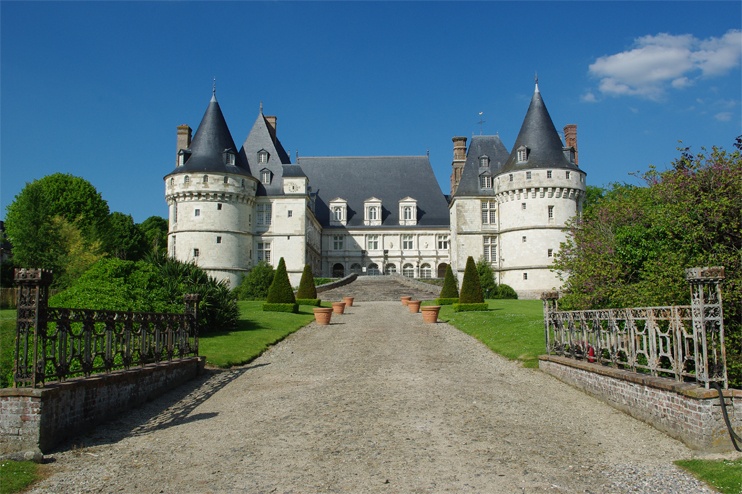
(512, 328)
(17, 475)
(256, 331)
(7, 346)
(723, 475)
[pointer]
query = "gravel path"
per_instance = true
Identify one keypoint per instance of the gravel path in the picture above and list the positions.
(375, 402)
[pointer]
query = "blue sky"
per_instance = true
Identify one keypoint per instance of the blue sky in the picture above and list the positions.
(96, 89)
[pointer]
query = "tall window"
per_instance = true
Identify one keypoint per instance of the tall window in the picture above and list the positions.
(337, 242)
(195, 252)
(484, 161)
(407, 242)
(187, 180)
(372, 213)
(264, 251)
(485, 181)
(175, 213)
(551, 212)
(550, 253)
(407, 213)
(490, 249)
(263, 157)
(173, 250)
(372, 242)
(390, 268)
(489, 213)
(567, 175)
(525, 276)
(523, 205)
(524, 239)
(511, 177)
(548, 173)
(528, 175)
(522, 154)
(226, 180)
(264, 214)
(338, 213)
(408, 271)
(219, 206)
(197, 212)
(425, 271)
(265, 176)
(206, 179)
(442, 242)
(218, 240)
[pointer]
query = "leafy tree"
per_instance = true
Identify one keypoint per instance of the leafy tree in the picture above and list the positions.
(631, 248)
(123, 238)
(255, 285)
(79, 253)
(449, 290)
(280, 291)
(486, 276)
(307, 290)
(155, 229)
(471, 291)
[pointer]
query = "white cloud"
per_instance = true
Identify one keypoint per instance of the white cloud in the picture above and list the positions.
(633, 110)
(588, 98)
(723, 116)
(656, 61)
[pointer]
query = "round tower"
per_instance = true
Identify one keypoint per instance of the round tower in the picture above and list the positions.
(211, 197)
(539, 188)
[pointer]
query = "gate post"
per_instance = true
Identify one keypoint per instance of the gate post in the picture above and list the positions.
(551, 306)
(30, 328)
(708, 324)
(191, 301)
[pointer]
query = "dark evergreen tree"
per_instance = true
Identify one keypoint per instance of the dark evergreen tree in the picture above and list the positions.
(450, 290)
(307, 290)
(280, 291)
(471, 290)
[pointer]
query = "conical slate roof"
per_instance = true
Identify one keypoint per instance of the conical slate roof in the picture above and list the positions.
(207, 149)
(538, 134)
(480, 146)
(261, 139)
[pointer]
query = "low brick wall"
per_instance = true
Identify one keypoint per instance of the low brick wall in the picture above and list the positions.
(33, 419)
(685, 411)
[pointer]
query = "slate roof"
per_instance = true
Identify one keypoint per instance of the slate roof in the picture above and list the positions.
(208, 145)
(389, 178)
(540, 136)
(260, 139)
(495, 150)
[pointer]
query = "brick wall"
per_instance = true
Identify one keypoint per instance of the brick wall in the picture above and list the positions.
(39, 418)
(684, 411)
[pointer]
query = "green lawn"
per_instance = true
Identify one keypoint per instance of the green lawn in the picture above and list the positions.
(512, 328)
(723, 475)
(256, 331)
(15, 476)
(7, 346)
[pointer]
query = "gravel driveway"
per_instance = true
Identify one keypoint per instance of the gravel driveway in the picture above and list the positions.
(375, 402)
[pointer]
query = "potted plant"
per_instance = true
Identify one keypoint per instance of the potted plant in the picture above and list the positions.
(430, 313)
(338, 307)
(348, 301)
(322, 315)
(414, 306)
(405, 300)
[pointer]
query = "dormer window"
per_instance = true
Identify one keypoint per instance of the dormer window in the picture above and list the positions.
(262, 156)
(484, 161)
(372, 211)
(408, 211)
(183, 156)
(485, 181)
(265, 176)
(338, 212)
(229, 157)
(522, 154)
(569, 153)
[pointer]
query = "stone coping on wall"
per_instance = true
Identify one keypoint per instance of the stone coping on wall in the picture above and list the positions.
(691, 390)
(335, 284)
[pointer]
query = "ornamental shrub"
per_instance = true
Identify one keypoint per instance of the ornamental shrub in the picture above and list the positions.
(255, 285)
(446, 301)
(471, 291)
(449, 290)
(486, 277)
(280, 291)
(505, 291)
(306, 285)
(470, 307)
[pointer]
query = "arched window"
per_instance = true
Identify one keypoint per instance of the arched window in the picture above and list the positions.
(442, 270)
(337, 212)
(425, 271)
(390, 268)
(338, 271)
(187, 180)
(408, 271)
(206, 179)
(373, 270)
(226, 180)
(356, 268)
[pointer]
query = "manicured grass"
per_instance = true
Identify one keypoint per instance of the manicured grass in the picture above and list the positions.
(7, 346)
(723, 475)
(512, 328)
(256, 331)
(15, 476)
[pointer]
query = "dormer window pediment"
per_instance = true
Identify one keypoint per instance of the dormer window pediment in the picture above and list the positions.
(523, 153)
(372, 211)
(338, 212)
(408, 211)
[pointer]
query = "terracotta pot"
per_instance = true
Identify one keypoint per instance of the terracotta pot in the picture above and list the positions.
(430, 313)
(322, 315)
(348, 301)
(405, 300)
(414, 306)
(338, 307)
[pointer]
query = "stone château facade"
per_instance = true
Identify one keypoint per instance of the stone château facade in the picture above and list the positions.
(230, 208)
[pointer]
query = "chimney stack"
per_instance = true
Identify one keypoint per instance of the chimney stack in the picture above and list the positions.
(459, 160)
(570, 138)
(184, 139)
(271, 119)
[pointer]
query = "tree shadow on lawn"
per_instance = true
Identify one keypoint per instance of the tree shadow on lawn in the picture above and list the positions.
(171, 409)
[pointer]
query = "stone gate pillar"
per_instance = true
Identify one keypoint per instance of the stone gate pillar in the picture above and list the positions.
(708, 324)
(551, 305)
(30, 329)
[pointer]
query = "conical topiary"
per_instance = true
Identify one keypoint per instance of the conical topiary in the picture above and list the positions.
(450, 290)
(306, 285)
(280, 291)
(471, 290)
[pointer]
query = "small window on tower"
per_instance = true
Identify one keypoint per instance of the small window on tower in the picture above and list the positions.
(525, 276)
(524, 239)
(567, 175)
(291, 213)
(218, 240)
(551, 212)
(195, 252)
(219, 207)
(548, 173)
(206, 179)
(550, 253)
(197, 212)
(226, 180)
(528, 175)
(523, 205)
(187, 180)
(511, 177)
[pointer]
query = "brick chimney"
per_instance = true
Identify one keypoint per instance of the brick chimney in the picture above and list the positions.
(570, 138)
(184, 139)
(271, 119)
(459, 159)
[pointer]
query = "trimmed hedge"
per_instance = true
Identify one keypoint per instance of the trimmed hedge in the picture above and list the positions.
(505, 291)
(446, 301)
(268, 307)
(471, 290)
(280, 291)
(470, 307)
(307, 290)
(450, 290)
(309, 301)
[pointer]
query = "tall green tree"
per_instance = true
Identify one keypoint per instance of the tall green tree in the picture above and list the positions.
(486, 276)
(123, 238)
(155, 230)
(280, 291)
(471, 291)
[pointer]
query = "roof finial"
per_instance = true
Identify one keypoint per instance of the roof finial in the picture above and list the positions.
(261, 107)
(213, 91)
(537, 82)
(480, 122)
